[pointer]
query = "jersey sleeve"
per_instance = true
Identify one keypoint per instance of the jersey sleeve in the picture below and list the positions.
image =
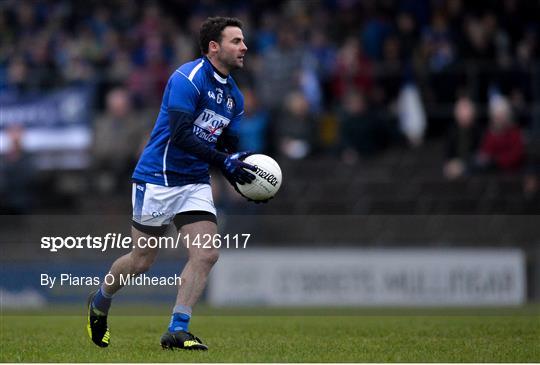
(183, 94)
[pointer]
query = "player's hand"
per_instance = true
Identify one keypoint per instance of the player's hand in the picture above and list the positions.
(235, 170)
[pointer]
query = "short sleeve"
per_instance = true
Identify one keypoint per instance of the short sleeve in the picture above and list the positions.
(183, 94)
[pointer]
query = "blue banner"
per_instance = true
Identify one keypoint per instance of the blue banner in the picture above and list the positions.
(57, 127)
(64, 108)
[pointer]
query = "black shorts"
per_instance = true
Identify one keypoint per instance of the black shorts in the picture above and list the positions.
(180, 220)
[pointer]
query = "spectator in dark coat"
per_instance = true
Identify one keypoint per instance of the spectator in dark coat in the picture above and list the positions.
(463, 139)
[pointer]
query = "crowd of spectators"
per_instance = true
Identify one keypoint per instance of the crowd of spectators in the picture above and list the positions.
(381, 73)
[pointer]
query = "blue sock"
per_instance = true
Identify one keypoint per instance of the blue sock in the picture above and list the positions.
(180, 318)
(102, 302)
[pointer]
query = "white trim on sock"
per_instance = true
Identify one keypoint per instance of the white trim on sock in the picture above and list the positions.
(183, 309)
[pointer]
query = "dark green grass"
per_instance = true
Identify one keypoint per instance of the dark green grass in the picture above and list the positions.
(507, 335)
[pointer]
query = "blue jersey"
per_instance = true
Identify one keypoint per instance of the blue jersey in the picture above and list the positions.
(215, 102)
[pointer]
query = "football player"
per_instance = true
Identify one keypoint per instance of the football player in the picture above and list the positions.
(196, 127)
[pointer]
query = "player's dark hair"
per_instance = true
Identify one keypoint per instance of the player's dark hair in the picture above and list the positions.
(211, 30)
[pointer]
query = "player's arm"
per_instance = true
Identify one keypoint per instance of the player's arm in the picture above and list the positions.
(228, 141)
(181, 127)
(182, 103)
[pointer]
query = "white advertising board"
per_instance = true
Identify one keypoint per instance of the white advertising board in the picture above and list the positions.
(346, 277)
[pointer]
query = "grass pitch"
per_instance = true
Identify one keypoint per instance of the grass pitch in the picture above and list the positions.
(293, 335)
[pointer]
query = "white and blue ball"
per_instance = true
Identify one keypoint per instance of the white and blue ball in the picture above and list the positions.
(267, 178)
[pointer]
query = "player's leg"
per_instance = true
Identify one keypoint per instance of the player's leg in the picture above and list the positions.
(194, 278)
(192, 224)
(138, 261)
(200, 263)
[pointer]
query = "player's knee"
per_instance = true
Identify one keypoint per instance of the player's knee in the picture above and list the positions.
(142, 264)
(207, 256)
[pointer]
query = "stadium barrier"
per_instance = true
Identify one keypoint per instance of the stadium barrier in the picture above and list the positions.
(364, 277)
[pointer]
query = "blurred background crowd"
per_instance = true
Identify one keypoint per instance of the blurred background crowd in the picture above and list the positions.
(424, 106)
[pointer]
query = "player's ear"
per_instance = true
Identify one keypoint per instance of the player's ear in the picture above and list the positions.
(213, 46)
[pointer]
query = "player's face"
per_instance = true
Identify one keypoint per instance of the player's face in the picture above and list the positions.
(232, 48)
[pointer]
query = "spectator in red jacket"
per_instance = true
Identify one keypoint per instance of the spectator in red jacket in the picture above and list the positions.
(502, 145)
